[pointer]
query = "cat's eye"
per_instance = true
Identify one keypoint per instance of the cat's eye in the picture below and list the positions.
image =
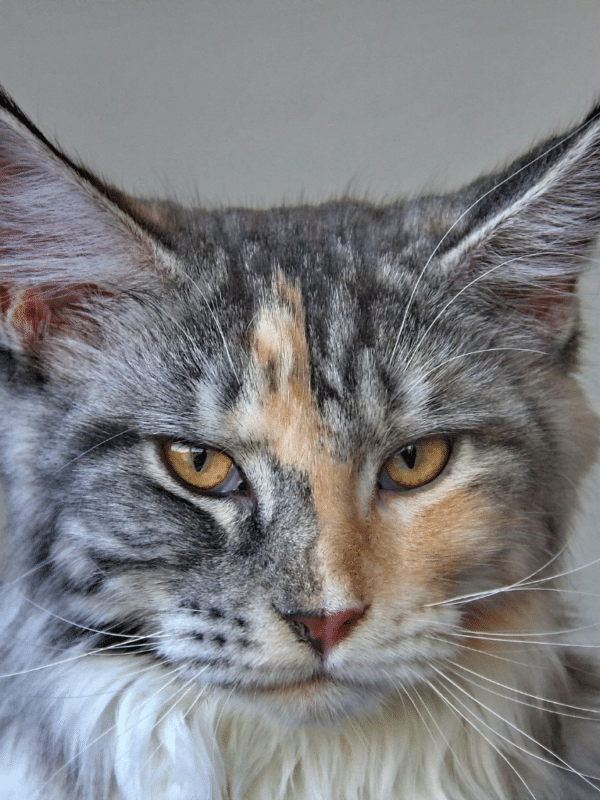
(202, 468)
(416, 464)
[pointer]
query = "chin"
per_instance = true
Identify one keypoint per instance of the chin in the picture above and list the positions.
(317, 702)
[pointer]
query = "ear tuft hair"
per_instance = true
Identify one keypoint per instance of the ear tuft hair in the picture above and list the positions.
(530, 229)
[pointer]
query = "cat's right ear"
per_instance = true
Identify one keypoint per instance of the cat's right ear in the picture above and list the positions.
(62, 238)
(529, 234)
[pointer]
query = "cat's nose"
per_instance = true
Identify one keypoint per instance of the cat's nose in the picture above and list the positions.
(325, 631)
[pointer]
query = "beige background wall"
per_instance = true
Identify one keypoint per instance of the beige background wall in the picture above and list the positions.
(256, 101)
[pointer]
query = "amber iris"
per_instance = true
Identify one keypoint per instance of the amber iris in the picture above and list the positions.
(418, 463)
(200, 467)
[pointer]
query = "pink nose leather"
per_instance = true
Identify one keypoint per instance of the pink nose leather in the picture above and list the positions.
(326, 631)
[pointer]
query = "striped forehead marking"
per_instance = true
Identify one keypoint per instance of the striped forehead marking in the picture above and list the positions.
(286, 417)
(363, 553)
(285, 412)
(281, 357)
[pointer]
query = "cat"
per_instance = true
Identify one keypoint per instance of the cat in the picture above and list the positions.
(289, 490)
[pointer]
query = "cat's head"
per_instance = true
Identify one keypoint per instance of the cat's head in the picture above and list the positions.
(300, 453)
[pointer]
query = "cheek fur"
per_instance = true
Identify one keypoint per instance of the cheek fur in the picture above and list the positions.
(414, 549)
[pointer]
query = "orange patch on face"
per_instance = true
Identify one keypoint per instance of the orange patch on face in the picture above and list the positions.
(290, 422)
(288, 418)
(450, 528)
(417, 551)
(343, 542)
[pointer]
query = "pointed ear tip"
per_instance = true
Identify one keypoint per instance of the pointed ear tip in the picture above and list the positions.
(591, 120)
(8, 106)
(594, 112)
(5, 98)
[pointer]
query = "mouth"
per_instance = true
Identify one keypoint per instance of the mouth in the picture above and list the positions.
(318, 700)
(317, 681)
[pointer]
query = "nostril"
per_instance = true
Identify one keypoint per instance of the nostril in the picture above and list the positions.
(324, 631)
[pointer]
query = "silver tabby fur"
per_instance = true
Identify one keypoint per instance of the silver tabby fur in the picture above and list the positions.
(150, 645)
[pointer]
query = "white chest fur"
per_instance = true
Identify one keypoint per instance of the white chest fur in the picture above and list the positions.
(132, 732)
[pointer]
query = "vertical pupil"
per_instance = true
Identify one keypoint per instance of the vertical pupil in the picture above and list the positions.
(409, 455)
(199, 459)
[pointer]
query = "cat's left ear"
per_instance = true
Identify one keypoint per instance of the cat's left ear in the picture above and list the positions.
(64, 239)
(529, 232)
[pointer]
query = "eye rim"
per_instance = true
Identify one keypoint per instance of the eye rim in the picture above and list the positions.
(387, 483)
(233, 483)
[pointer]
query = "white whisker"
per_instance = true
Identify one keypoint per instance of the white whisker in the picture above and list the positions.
(187, 686)
(525, 581)
(484, 351)
(564, 709)
(452, 300)
(554, 757)
(99, 444)
(475, 726)
(217, 322)
(383, 439)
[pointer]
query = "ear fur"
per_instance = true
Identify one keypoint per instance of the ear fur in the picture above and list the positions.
(62, 239)
(531, 228)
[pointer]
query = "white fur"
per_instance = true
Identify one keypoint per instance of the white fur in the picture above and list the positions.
(133, 732)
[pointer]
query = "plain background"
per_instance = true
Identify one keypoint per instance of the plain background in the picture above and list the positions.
(259, 101)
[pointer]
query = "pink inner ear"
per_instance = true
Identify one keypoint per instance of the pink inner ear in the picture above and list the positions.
(34, 314)
(28, 314)
(554, 307)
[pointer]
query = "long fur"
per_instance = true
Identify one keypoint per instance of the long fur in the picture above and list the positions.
(145, 735)
(156, 638)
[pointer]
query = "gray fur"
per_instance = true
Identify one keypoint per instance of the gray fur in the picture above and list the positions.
(451, 316)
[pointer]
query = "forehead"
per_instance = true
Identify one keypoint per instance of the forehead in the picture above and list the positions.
(298, 313)
(316, 375)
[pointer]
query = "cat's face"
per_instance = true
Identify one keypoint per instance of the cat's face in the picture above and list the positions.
(297, 453)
